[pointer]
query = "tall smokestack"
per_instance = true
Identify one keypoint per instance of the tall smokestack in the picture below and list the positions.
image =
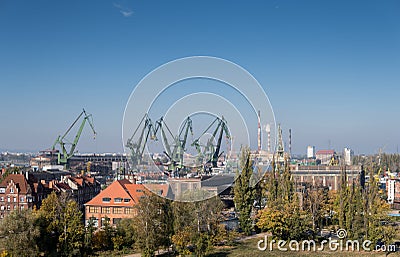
(290, 143)
(259, 131)
(268, 129)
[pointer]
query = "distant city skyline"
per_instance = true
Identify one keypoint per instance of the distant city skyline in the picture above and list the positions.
(330, 69)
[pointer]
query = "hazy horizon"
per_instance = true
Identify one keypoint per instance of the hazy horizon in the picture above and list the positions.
(330, 69)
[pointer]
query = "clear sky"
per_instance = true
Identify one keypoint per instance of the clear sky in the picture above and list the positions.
(331, 69)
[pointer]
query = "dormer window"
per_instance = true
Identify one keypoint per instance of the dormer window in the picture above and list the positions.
(118, 200)
(106, 199)
(127, 200)
(11, 190)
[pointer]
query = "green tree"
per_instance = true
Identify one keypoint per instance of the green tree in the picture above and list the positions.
(18, 234)
(125, 231)
(282, 215)
(196, 224)
(243, 193)
(61, 228)
(89, 233)
(363, 212)
(102, 239)
(71, 239)
(152, 224)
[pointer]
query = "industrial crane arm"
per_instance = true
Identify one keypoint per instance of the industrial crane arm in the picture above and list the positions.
(78, 134)
(61, 139)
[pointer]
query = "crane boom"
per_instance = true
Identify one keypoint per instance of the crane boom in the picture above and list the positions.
(61, 140)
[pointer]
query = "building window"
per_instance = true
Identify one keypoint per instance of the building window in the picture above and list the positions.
(128, 210)
(105, 210)
(15, 207)
(2, 199)
(8, 199)
(93, 209)
(139, 190)
(117, 210)
(106, 199)
(8, 207)
(22, 207)
(15, 199)
(2, 190)
(12, 190)
(2, 208)
(118, 200)
(127, 200)
(21, 199)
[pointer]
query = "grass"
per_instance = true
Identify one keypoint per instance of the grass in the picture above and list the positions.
(249, 248)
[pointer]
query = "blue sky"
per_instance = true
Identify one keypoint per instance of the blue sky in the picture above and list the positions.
(330, 68)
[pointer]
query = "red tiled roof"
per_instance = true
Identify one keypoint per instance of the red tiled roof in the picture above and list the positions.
(136, 191)
(126, 190)
(63, 186)
(118, 189)
(325, 152)
(18, 180)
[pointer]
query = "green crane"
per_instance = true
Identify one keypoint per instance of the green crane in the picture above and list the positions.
(64, 155)
(211, 152)
(175, 155)
(137, 147)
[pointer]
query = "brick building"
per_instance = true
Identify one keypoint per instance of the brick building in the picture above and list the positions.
(81, 188)
(117, 202)
(19, 193)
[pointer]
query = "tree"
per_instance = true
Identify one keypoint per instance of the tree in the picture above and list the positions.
(243, 193)
(363, 212)
(152, 224)
(70, 241)
(282, 215)
(196, 224)
(61, 229)
(125, 231)
(284, 221)
(18, 234)
(102, 239)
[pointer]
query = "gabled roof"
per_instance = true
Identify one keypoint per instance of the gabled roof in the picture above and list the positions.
(136, 191)
(118, 189)
(19, 180)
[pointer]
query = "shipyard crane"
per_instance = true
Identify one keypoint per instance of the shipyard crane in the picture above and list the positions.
(175, 154)
(211, 152)
(64, 155)
(180, 147)
(161, 125)
(137, 147)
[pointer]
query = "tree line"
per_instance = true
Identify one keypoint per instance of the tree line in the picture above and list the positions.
(56, 229)
(275, 204)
